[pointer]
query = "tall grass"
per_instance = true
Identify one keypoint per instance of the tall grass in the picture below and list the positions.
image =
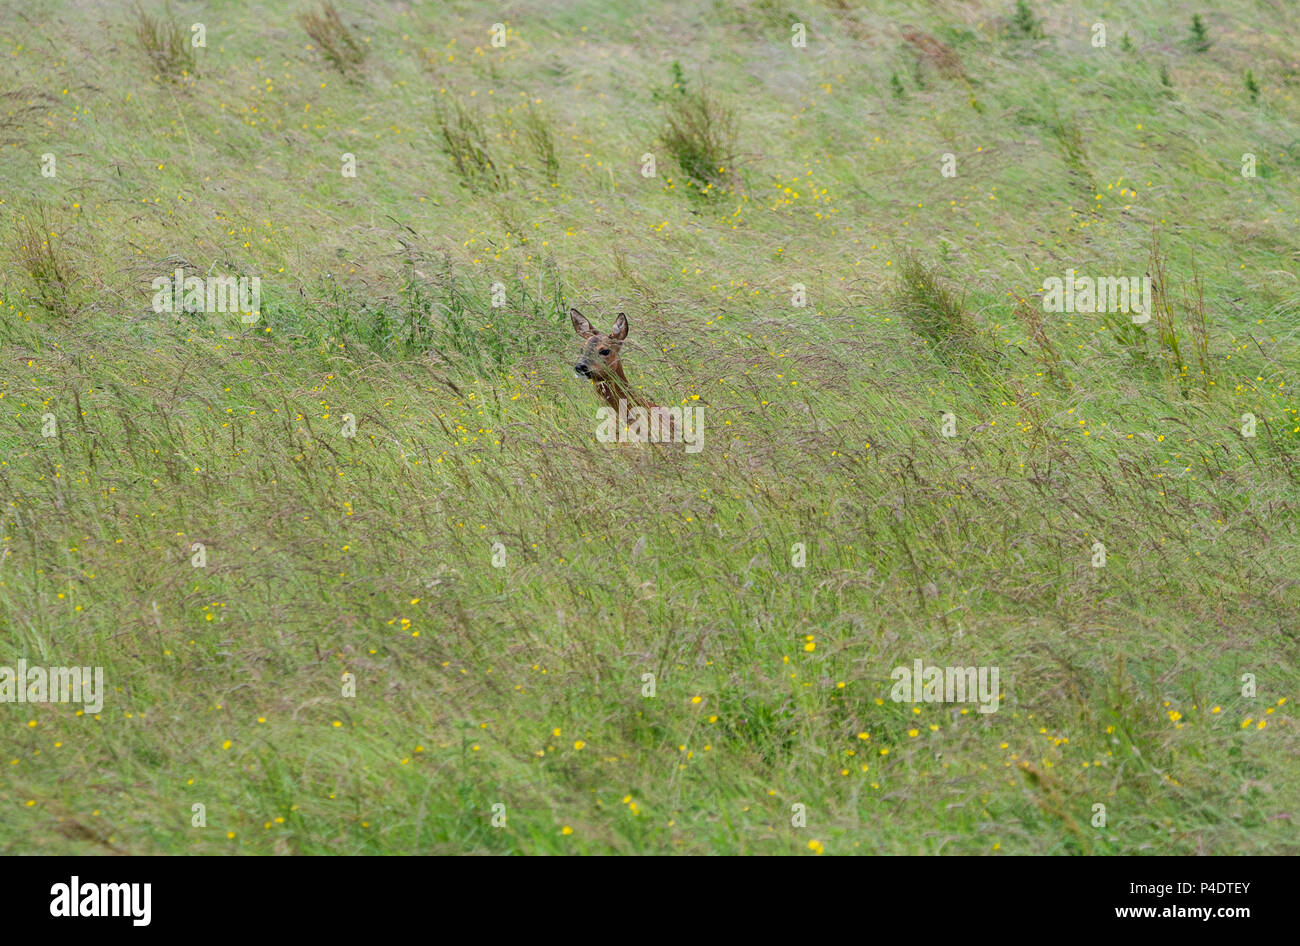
(699, 130)
(933, 310)
(338, 42)
(166, 45)
(1047, 354)
(397, 480)
(1070, 142)
(37, 248)
(540, 141)
(465, 142)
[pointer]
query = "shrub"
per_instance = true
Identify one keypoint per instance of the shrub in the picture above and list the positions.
(1024, 24)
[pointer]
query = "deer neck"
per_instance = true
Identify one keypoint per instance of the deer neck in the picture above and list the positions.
(618, 388)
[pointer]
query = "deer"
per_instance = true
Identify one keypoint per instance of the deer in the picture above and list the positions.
(600, 364)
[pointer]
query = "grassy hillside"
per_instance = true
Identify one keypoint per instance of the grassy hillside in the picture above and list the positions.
(496, 582)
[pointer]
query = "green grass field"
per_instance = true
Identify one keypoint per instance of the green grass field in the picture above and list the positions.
(360, 571)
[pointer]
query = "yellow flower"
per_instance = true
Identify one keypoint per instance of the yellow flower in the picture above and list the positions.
(816, 847)
(566, 830)
(579, 744)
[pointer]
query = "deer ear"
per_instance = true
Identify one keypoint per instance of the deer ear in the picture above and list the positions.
(620, 328)
(580, 324)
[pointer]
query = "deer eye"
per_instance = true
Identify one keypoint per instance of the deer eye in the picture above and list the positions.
(604, 351)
